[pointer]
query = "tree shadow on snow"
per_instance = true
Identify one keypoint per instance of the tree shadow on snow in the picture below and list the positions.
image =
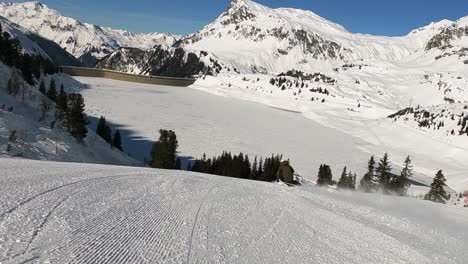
(134, 145)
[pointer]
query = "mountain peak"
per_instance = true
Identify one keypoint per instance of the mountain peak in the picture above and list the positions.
(35, 5)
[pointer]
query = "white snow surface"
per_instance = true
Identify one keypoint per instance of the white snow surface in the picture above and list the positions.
(74, 36)
(76, 213)
(210, 124)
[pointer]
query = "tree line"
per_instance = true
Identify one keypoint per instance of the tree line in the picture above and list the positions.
(239, 166)
(379, 177)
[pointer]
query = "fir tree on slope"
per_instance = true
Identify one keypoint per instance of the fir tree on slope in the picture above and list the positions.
(401, 184)
(103, 130)
(52, 92)
(42, 88)
(352, 181)
(117, 141)
(164, 152)
(437, 193)
(383, 172)
(61, 108)
(343, 181)
(76, 118)
(347, 180)
(325, 176)
(368, 183)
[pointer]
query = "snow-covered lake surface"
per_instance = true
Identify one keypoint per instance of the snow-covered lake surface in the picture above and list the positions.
(77, 213)
(206, 123)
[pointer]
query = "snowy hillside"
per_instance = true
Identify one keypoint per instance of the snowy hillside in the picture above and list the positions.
(85, 41)
(75, 213)
(25, 133)
(20, 33)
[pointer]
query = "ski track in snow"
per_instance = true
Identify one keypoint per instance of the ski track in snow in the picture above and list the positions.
(78, 213)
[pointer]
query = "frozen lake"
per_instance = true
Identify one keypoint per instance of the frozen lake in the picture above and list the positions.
(206, 123)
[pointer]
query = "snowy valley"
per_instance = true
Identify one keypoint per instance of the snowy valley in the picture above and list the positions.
(91, 169)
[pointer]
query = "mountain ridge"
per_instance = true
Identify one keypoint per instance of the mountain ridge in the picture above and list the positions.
(87, 42)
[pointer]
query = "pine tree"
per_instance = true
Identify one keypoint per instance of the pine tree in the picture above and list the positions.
(260, 169)
(343, 181)
(52, 92)
(401, 183)
(117, 141)
(76, 118)
(352, 184)
(62, 105)
(347, 180)
(368, 183)
(103, 130)
(42, 88)
(164, 152)
(254, 171)
(437, 193)
(383, 172)
(325, 176)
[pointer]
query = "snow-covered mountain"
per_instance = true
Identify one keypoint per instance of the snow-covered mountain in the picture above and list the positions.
(35, 44)
(252, 36)
(85, 41)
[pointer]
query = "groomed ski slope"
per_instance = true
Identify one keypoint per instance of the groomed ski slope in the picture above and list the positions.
(77, 213)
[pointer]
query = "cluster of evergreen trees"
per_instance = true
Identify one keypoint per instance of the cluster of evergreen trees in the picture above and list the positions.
(31, 66)
(381, 178)
(239, 166)
(105, 132)
(69, 110)
(347, 180)
(164, 152)
(376, 178)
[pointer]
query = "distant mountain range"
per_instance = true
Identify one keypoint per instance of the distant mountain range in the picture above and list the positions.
(86, 42)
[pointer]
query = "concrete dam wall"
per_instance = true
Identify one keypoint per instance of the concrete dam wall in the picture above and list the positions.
(127, 77)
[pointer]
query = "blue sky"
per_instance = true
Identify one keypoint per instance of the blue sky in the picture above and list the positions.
(381, 17)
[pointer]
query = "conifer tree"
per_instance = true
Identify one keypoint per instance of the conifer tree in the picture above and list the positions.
(52, 92)
(347, 180)
(260, 169)
(76, 118)
(164, 152)
(383, 172)
(343, 181)
(103, 130)
(254, 171)
(62, 105)
(437, 192)
(368, 183)
(325, 176)
(352, 184)
(42, 88)
(117, 141)
(401, 184)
